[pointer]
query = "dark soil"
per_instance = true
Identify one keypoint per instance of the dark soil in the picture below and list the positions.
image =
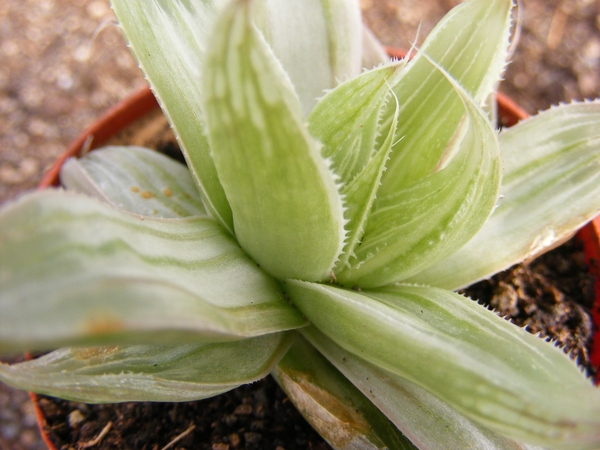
(553, 296)
(257, 416)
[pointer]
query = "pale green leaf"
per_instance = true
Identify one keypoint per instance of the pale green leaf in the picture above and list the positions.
(169, 38)
(360, 195)
(551, 187)
(317, 42)
(287, 210)
(332, 405)
(424, 418)
(75, 271)
(347, 119)
(135, 179)
(471, 44)
(490, 370)
(421, 224)
(157, 373)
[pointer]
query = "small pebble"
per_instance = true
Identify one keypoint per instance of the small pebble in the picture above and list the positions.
(75, 418)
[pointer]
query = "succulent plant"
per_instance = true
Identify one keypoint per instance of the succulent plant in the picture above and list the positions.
(318, 234)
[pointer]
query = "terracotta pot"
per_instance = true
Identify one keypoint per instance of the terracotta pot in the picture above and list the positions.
(143, 102)
(590, 235)
(108, 125)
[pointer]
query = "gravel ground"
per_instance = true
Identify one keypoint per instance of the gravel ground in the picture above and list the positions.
(64, 62)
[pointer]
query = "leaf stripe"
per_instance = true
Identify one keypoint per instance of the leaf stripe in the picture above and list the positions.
(101, 264)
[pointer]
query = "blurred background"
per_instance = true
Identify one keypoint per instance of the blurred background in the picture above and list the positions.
(64, 62)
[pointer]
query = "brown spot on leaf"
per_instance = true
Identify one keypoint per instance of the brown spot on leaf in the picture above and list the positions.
(343, 425)
(146, 194)
(134, 189)
(103, 324)
(168, 192)
(86, 353)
